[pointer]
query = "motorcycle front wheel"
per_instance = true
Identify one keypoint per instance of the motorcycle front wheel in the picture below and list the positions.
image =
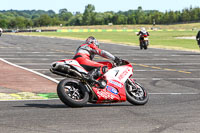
(72, 93)
(136, 94)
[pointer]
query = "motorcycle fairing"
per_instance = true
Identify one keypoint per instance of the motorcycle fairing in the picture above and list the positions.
(115, 89)
(120, 74)
(111, 92)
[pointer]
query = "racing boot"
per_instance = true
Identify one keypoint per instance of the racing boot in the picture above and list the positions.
(94, 74)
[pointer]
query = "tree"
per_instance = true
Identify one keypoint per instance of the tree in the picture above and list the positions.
(131, 19)
(140, 16)
(108, 17)
(99, 19)
(88, 14)
(64, 14)
(76, 20)
(51, 13)
(43, 20)
(3, 23)
(172, 17)
(185, 15)
(28, 18)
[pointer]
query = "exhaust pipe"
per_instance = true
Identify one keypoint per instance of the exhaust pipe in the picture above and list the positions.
(60, 68)
(64, 70)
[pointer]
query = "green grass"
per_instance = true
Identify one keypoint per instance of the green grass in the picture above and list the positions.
(161, 39)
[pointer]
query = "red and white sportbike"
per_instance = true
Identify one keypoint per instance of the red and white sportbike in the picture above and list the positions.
(115, 86)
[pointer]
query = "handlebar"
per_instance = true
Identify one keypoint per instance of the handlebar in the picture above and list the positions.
(123, 62)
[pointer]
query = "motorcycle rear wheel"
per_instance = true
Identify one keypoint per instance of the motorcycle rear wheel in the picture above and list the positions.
(136, 94)
(72, 93)
(145, 44)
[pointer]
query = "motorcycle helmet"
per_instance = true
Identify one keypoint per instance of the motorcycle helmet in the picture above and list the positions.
(93, 40)
(143, 30)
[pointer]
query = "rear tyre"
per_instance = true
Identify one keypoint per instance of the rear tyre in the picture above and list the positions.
(141, 46)
(145, 44)
(72, 93)
(136, 94)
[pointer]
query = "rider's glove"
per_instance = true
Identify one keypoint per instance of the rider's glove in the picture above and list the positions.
(117, 60)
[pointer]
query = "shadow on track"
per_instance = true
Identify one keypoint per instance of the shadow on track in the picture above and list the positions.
(65, 106)
(42, 106)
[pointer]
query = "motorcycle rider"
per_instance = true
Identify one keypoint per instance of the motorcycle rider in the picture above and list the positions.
(1, 31)
(142, 33)
(85, 54)
(198, 38)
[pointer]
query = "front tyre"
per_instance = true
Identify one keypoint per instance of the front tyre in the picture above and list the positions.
(136, 94)
(72, 93)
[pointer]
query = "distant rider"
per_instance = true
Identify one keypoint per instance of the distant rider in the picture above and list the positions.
(198, 38)
(1, 31)
(85, 54)
(142, 34)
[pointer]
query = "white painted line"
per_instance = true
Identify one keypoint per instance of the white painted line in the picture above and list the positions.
(40, 69)
(156, 55)
(163, 69)
(33, 64)
(27, 59)
(29, 100)
(171, 64)
(185, 55)
(10, 47)
(197, 79)
(42, 75)
(39, 55)
(164, 59)
(28, 52)
(174, 93)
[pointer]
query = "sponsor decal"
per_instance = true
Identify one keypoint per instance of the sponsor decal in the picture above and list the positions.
(105, 95)
(121, 76)
(111, 89)
(115, 83)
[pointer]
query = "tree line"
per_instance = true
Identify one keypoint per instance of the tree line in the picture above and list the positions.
(21, 19)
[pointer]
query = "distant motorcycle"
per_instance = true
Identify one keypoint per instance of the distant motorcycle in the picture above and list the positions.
(144, 42)
(198, 42)
(116, 85)
(1, 31)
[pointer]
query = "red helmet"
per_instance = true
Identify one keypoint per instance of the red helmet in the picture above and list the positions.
(93, 40)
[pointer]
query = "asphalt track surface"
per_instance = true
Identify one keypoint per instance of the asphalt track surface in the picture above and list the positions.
(171, 77)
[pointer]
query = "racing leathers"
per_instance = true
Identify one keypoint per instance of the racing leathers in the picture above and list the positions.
(85, 54)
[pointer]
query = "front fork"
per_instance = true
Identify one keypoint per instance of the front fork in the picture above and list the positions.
(132, 82)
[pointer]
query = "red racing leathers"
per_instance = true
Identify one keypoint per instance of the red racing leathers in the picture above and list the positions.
(86, 52)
